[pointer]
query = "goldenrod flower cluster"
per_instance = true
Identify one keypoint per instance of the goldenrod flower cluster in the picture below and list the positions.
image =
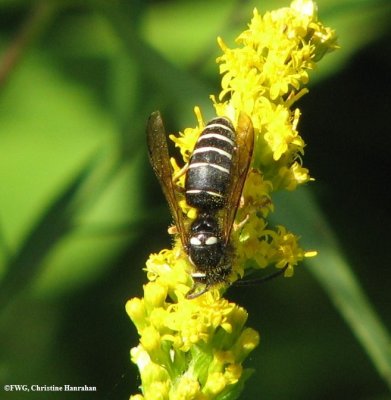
(194, 349)
(189, 349)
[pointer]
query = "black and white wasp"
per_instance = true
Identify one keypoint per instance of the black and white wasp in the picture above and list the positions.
(214, 181)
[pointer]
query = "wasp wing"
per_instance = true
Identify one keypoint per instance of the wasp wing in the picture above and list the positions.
(241, 163)
(160, 161)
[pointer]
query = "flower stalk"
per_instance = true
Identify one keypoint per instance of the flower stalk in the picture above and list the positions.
(194, 348)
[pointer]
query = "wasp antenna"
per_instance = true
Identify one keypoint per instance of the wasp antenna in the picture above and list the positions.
(256, 281)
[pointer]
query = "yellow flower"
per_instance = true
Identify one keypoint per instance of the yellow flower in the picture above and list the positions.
(185, 339)
(194, 349)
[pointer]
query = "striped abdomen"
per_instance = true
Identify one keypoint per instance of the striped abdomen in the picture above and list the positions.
(209, 173)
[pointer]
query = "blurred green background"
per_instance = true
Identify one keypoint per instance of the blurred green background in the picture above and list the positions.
(80, 209)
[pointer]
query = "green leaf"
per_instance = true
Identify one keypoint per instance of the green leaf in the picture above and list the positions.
(300, 212)
(54, 224)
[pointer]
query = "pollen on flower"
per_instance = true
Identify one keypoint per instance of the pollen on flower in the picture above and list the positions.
(256, 194)
(310, 253)
(155, 294)
(305, 7)
(233, 372)
(136, 311)
(187, 388)
(287, 251)
(140, 357)
(248, 340)
(158, 391)
(291, 177)
(170, 271)
(186, 140)
(150, 339)
(215, 384)
(137, 397)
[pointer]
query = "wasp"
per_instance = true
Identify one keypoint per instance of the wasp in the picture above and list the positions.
(214, 180)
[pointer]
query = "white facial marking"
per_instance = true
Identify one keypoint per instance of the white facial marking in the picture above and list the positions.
(211, 240)
(195, 241)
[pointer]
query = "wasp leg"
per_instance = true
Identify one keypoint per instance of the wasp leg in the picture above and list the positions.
(173, 230)
(180, 173)
(195, 291)
(240, 224)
